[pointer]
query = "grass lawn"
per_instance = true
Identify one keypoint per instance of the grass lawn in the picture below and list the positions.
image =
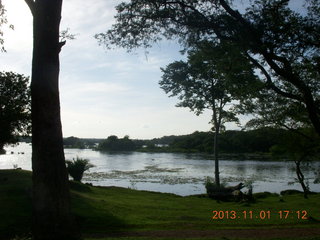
(120, 213)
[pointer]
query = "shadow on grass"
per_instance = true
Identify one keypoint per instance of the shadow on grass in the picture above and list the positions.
(92, 215)
(15, 202)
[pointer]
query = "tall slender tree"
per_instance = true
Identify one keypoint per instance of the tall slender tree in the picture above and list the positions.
(51, 205)
(210, 79)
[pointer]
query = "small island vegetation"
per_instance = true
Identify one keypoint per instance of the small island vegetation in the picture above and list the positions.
(113, 143)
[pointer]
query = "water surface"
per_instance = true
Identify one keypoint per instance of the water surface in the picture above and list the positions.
(182, 174)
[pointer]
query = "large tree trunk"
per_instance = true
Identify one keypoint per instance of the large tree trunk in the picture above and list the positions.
(51, 204)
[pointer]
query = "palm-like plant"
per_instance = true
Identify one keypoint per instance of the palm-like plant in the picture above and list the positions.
(77, 167)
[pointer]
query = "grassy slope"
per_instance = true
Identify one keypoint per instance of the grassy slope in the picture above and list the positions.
(101, 210)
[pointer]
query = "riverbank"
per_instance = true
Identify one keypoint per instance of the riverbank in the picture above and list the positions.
(123, 213)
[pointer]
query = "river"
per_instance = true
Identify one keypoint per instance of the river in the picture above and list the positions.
(182, 174)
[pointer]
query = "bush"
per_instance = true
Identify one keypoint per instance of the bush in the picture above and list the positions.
(215, 191)
(224, 192)
(262, 195)
(77, 167)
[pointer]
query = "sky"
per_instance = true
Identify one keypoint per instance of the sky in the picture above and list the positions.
(103, 92)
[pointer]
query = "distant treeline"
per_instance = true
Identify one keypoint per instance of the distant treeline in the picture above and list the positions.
(82, 143)
(253, 141)
(263, 140)
(72, 142)
(260, 140)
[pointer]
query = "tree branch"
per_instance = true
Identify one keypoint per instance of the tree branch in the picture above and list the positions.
(270, 84)
(61, 44)
(204, 18)
(297, 132)
(270, 57)
(233, 13)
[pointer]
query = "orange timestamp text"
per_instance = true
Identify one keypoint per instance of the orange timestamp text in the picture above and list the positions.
(263, 214)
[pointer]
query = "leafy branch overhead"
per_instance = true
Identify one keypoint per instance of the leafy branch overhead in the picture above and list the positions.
(281, 44)
(3, 21)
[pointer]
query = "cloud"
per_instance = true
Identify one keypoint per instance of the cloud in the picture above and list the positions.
(139, 122)
(103, 92)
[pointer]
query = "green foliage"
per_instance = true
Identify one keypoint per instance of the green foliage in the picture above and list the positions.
(197, 141)
(258, 140)
(209, 79)
(302, 145)
(113, 143)
(272, 110)
(15, 104)
(77, 167)
(3, 22)
(223, 192)
(165, 140)
(216, 191)
(73, 142)
(232, 141)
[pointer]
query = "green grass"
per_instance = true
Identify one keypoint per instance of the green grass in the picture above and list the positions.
(103, 210)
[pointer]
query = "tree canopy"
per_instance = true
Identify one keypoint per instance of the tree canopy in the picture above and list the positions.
(281, 43)
(113, 143)
(73, 142)
(15, 106)
(209, 79)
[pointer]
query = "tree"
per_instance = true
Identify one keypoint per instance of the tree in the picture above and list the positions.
(15, 104)
(73, 142)
(274, 111)
(279, 42)
(209, 80)
(113, 143)
(301, 148)
(51, 205)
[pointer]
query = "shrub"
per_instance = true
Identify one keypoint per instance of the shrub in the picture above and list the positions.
(77, 167)
(224, 192)
(215, 191)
